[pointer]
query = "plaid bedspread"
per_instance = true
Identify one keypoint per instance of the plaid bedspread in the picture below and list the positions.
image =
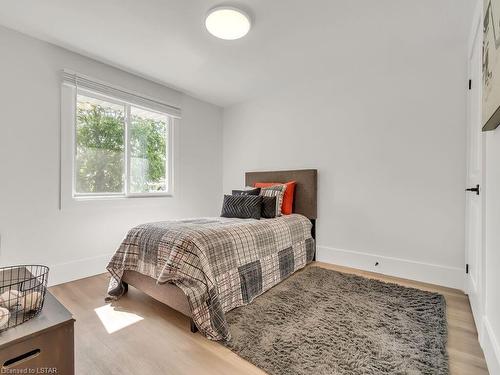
(219, 263)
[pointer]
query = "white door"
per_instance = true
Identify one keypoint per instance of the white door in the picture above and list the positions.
(474, 196)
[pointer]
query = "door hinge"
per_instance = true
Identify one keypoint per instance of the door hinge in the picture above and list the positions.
(467, 268)
(470, 84)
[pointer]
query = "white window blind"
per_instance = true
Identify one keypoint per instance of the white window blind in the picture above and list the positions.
(81, 81)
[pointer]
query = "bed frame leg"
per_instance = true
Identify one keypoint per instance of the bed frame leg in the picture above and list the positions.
(194, 329)
(313, 235)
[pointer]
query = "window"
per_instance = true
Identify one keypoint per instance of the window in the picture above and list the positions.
(120, 149)
(115, 143)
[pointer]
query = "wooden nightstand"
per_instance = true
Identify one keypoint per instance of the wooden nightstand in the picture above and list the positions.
(43, 345)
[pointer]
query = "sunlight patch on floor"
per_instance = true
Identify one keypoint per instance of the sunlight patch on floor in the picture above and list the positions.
(114, 320)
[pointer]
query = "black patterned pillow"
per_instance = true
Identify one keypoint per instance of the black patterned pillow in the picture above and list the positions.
(268, 207)
(242, 206)
(249, 191)
(277, 191)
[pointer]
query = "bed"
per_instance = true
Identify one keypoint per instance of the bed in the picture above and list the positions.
(205, 267)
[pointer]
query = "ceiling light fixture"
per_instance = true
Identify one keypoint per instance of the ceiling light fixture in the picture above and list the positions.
(227, 23)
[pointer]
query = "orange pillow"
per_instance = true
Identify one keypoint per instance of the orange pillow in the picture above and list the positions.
(287, 205)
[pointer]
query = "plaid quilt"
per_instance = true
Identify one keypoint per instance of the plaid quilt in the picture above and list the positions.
(219, 263)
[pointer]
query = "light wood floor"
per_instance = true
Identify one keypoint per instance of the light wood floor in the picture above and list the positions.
(158, 341)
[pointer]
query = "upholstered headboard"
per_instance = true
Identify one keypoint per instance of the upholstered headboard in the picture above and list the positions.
(306, 190)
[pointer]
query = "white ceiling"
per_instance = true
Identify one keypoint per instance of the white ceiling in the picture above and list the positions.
(165, 40)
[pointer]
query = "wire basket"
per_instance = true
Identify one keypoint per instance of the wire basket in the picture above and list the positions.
(22, 293)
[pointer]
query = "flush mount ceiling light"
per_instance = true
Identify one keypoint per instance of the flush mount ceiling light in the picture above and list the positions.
(227, 23)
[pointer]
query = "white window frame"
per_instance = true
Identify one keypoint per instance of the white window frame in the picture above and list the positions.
(126, 193)
(70, 89)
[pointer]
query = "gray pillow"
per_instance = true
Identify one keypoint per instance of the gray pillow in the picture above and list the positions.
(268, 207)
(251, 191)
(242, 206)
(277, 191)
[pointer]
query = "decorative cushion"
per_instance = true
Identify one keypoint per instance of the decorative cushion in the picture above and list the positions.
(268, 207)
(287, 205)
(277, 191)
(247, 191)
(242, 206)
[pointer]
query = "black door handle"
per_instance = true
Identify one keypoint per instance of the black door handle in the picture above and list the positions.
(476, 189)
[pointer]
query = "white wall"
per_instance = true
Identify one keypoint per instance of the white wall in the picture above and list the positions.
(78, 240)
(385, 127)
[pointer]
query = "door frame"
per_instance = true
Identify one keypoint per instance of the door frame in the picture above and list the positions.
(477, 304)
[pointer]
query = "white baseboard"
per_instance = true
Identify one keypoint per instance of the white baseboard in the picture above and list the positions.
(408, 269)
(491, 348)
(452, 277)
(78, 269)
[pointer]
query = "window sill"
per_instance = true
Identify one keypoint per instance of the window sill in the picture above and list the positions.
(82, 198)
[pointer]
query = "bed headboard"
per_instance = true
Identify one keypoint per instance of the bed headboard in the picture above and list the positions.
(306, 190)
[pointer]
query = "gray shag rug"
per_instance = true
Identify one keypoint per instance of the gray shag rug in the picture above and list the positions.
(320, 321)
